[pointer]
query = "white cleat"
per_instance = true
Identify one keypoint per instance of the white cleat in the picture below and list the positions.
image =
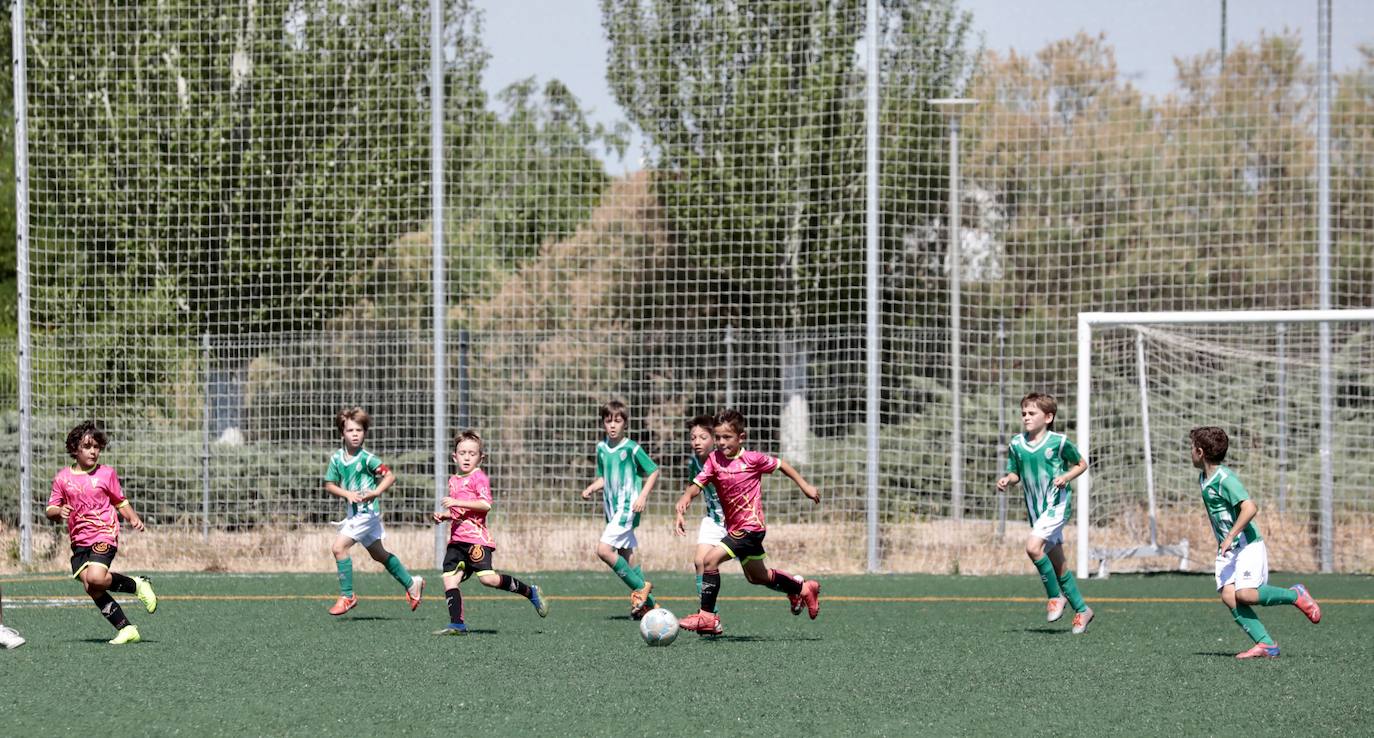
(1054, 609)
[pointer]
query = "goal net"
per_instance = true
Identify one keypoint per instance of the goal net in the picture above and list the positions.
(1148, 378)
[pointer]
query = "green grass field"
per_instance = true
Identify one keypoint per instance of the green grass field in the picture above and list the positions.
(898, 654)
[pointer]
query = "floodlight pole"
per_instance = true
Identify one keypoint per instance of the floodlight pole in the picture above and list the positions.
(954, 109)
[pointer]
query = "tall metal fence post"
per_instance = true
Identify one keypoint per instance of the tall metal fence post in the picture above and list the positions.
(1326, 529)
(729, 366)
(872, 301)
(21, 221)
(1002, 439)
(436, 183)
(205, 437)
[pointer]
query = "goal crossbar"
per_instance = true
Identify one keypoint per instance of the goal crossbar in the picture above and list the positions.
(1087, 321)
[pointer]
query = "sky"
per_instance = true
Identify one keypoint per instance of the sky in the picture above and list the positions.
(563, 38)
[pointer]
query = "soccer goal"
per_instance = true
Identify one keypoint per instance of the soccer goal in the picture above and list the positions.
(1294, 390)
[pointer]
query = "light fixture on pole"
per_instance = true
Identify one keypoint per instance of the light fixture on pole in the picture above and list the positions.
(953, 109)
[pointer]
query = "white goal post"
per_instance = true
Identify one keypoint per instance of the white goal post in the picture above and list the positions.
(1089, 321)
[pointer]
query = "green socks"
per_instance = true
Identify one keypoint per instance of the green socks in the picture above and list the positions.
(1047, 576)
(345, 576)
(1269, 595)
(1249, 622)
(1070, 588)
(628, 574)
(395, 568)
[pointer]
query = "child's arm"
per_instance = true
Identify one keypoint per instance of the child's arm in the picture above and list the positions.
(1072, 474)
(1010, 479)
(806, 487)
(1248, 511)
(338, 491)
(388, 479)
(685, 501)
(127, 512)
(450, 504)
(643, 498)
(56, 513)
(593, 487)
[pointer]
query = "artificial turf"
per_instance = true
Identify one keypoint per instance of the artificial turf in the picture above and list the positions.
(891, 654)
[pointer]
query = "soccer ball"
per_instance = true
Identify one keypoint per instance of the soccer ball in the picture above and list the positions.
(659, 627)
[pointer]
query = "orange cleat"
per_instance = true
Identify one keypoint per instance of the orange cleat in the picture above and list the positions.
(1260, 651)
(639, 601)
(703, 623)
(1309, 606)
(344, 604)
(415, 591)
(811, 597)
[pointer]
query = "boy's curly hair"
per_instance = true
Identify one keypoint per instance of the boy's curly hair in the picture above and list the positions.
(90, 428)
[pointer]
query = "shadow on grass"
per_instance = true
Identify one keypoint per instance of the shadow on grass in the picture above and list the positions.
(1042, 630)
(1218, 654)
(106, 641)
(366, 618)
(755, 639)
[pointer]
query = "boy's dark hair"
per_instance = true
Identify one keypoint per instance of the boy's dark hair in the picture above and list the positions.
(1213, 442)
(732, 418)
(615, 407)
(1046, 403)
(90, 428)
(355, 414)
(472, 435)
(703, 421)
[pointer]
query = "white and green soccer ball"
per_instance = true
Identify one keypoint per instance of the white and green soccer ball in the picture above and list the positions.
(659, 627)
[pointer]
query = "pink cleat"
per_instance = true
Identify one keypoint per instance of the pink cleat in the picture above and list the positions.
(1307, 604)
(1260, 651)
(703, 623)
(811, 596)
(795, 602)
(343, 605)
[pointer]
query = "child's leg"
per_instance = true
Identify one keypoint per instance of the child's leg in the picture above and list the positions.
(1064, 577)
(1239, 601)
(454, 598)
(757, 572)
(506, 583)
(619, 560)
(393, 565)
(710, 577)
(96, 580)
(1035, 549)
(344, 563)
(699, 563)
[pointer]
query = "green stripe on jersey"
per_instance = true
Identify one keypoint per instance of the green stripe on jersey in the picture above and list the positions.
(1221, 496)
(713, 509)
(1037, 465)
(357, 473)
(623, 467)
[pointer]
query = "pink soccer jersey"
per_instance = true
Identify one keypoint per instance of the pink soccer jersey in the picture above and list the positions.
(94, 498)
(470, 526)
(737, 483)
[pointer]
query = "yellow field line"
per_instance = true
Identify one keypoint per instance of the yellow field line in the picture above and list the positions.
(737, 598)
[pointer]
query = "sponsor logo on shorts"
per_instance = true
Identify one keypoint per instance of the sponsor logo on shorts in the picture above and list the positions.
(101, 548)
(737, 534)
(475, 552)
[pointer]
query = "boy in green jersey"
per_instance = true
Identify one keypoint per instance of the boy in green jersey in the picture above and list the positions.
(1242, 565)
(358, 476)
(626, 476)
(1043, 462)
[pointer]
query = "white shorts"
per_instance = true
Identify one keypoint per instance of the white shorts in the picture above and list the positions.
(619, 536)
(1247, 567)
(365, 528)
(1050, 528)
(710, 533)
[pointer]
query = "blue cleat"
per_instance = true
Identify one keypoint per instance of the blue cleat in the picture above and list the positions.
(537, 599)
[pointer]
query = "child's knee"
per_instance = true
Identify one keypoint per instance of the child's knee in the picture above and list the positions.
(490, 580)
(452, 582)
(1035, 548)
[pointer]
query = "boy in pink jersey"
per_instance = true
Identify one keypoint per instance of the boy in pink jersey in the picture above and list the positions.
(470, 544)
(736, 474)
(88, 497)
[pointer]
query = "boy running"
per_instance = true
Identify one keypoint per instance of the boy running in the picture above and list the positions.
(87, 495)
(1242, 565)
(626, 475)
(1043, 462)
(737, 475)
(360, 477)
(470, 544)
(712, 529)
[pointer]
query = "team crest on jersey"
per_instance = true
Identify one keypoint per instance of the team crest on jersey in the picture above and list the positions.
(1049, 453)
(101, 548)
(623, 454)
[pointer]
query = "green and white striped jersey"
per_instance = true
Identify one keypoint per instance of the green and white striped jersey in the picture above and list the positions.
(1222, 495)
(624, 468)
(1037, 464)
(708, 493)
(358, 473)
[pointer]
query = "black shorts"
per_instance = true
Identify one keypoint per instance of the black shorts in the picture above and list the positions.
(468, 558)
(101, 554)
(745, 545)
